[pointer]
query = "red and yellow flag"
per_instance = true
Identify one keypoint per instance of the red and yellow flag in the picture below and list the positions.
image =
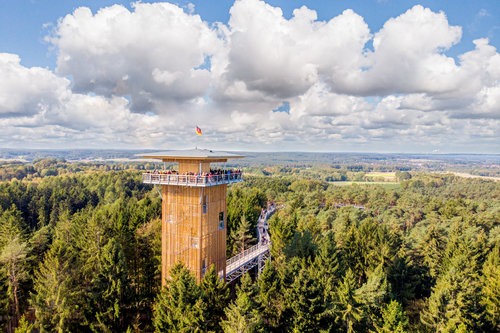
(198, 130)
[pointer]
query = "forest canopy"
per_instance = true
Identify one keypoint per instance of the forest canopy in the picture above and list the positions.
(80, 251)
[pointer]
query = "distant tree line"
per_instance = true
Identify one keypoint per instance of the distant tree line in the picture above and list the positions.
(41, 168)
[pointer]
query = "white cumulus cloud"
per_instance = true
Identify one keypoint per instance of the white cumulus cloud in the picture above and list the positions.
(158, 47)
(147, 76)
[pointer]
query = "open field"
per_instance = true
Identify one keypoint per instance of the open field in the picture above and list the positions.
(13, 160)
(386, 185)
(467, 175)
(381, 174)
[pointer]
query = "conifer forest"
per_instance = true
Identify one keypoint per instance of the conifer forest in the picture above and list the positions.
(80, 251)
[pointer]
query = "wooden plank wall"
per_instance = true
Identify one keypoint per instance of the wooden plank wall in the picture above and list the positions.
(214, 240)
(194, 166)
(181, 227)
(190, 235)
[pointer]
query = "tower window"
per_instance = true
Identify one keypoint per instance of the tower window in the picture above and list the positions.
(221, 220)
(205, 204)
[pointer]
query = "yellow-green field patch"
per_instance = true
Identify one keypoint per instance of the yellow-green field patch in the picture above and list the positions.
(382, 174)
(386, 185)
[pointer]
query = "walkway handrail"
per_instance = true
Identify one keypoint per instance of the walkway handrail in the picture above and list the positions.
(254, 256)
(259, 246)
(244, 254)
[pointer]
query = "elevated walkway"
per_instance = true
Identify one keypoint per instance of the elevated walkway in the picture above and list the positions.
(243, 262)
(254, 256)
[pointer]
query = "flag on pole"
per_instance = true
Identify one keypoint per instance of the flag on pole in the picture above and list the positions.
(198, 130)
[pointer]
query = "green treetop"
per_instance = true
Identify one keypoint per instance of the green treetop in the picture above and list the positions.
(243, 315)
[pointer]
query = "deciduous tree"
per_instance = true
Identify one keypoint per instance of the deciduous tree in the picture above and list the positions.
(13, 259)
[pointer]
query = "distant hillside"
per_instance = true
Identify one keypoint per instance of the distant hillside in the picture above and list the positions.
(355, 161)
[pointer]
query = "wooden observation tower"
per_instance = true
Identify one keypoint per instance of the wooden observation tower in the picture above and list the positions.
(193, 209)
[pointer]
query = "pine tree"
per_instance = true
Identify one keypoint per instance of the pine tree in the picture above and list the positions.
(5, 297)
(135, 325)
(386, 244)
(180, 306)
(395, 319)
(326, 267)
(235, 208)
(373, 294)
(366, 247)
(243, 238)
(109, 291)
(24, 326)
(12, 226)
(56, 291)
(490, 297)
(90, 239)
(301, 246)
(39, 243)
(243, 315)
(305, 299)
(145, 265)
(403, 277)
(432, 249)
(455, 299)
(65, 229)
(281, 235)
(349, 307)
(249, 288)
(13, 272)
(463, 243)
(216, 295)
(270, 296)
(352, 254)
(286, 272)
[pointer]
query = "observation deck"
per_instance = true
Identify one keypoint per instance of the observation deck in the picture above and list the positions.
(191, 180)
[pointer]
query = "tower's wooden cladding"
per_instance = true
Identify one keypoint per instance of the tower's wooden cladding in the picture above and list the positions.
(192, 231)
(190, 235)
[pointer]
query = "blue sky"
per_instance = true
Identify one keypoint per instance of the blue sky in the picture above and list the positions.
(79, 78)
(22, 22)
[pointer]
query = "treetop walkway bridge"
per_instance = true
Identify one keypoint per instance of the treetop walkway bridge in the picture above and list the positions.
(257, 254)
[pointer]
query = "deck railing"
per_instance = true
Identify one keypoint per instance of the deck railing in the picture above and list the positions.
(191, 180)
